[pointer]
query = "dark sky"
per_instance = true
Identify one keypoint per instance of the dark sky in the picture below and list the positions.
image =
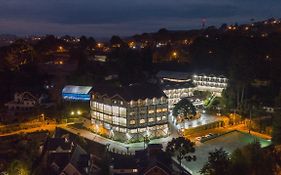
(103, 18)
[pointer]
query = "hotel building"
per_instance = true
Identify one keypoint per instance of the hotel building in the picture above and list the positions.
(214, 84)
(176, 90)
(178, 85)
(129, 113)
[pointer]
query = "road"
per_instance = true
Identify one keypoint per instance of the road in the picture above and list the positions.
(240, 127)
(29, 127)
(131, 148)
(115, 146)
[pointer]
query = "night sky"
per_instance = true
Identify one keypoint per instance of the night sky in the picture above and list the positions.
(103, 18)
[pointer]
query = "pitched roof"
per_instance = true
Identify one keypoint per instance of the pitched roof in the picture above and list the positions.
(57, 144)
(124, 162)
(156, 165)
(131, 92)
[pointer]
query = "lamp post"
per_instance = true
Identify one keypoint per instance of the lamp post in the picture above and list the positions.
(127, 149)
(145, 141)
(107, 148)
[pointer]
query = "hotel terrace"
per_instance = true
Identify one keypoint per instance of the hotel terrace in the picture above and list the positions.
(130, 113)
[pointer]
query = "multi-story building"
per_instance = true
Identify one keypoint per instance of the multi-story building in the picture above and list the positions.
(129, 113)
(178, 85)
(175, 91)
(215, 84)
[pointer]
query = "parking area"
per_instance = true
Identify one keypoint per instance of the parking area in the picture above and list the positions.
(229, 142)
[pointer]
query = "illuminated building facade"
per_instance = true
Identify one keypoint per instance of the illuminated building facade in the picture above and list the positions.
(178, 85)
(129, 113)
(175, 91)
(211, 83)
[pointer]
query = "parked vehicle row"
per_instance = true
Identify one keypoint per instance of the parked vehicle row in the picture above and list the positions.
(210, 135)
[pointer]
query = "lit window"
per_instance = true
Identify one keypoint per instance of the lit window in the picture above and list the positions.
(115, 110)
(142, 129)
(164, 110)
(142, 120)
(132, 122)
(122, 112)
(123, 121)
(122, 130)
(151, 111)
(150, 119)
(159, 110)
(133, 131)
(164, 117)
(158, 118)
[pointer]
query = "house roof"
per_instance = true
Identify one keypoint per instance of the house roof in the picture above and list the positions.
(156, 165)
(131, 92)
(124, 162)
(79, 157)
(58, 144)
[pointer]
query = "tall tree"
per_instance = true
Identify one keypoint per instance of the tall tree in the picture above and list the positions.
(276, 132)
(239, 164)
(181, 148)
(116, 41)
(184, 107)
(252, 159)
(218, 163)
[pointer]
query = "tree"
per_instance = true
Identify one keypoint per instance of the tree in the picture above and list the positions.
(181, 148)
(117, 41)
(252, 159)
(18, 167)
(239, 163)
(184, 107)
(218, 163)
(276, 132)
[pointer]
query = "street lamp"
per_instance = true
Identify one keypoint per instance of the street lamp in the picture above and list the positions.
(145, 141)
(174, 54)
(79, 112)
